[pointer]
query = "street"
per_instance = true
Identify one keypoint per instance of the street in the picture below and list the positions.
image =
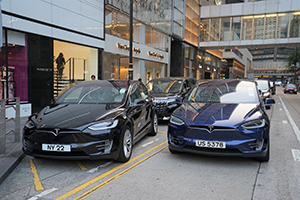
(154, 173)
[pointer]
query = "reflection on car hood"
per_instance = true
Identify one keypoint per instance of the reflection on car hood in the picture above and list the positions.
(70, 115)
(217, 114)
(162, 94)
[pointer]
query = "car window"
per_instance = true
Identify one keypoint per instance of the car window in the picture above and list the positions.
(262, 85)
(134, 93)
(143, 91)
(164, 86)
(291, 86)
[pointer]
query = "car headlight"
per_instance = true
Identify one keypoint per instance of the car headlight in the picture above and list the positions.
(266, 94)
(258, 123)
(29, 124)
(176, 120)
(104, 125)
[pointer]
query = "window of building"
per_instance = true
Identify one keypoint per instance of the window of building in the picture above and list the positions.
(259, 21)
(204, 30)
(270, 28)
(16, 69)
(247, 28)
(225, 29)
(236, 28)
(215, 29)
(282, 27)
(295, 25)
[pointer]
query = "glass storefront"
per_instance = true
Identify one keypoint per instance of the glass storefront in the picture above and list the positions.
(295, 25)
(225, 29)
(283, 21)
(236, 28)
(247, 28)
(13, 62)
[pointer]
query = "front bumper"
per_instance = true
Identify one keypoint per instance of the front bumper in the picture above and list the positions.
(83, 146)
(237, 144)
(164, 109)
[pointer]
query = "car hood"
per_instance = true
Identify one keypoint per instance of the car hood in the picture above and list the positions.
(217, 114)
(70, 115)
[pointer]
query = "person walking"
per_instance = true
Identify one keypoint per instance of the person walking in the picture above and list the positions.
(60, 65)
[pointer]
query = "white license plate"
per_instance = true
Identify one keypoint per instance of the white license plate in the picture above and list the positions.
(56, 147)
(211, 144)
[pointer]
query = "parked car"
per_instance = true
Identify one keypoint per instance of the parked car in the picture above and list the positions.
(223, 118)
(264, 89)
(92, 120)
(273, 87)
(168, 93)
(290, 88)
(278, 83)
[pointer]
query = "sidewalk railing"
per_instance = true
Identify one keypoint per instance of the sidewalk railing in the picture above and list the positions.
(3, 122)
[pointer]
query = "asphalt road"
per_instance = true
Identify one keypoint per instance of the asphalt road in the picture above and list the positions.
(154, 173)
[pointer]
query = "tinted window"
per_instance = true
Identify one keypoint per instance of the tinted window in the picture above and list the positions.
(164, 86)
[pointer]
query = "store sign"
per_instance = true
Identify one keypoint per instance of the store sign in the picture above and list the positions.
(126, 47)
(156, 55)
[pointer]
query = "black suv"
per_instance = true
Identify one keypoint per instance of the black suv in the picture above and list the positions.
(168, 93)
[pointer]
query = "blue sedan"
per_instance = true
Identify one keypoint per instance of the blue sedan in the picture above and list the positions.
(223, 118)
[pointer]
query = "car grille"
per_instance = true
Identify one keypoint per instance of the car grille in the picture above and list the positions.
(161, 108)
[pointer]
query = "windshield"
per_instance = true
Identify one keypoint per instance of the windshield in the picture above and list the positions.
(95, 92)
(262, 85)
(164, 86)
(224, 92)
(291, 86)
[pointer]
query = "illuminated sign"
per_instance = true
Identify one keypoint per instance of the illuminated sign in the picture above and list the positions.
(156, 55)
(125, 47)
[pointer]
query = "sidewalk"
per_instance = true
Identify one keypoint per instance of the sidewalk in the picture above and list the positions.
(14, 154)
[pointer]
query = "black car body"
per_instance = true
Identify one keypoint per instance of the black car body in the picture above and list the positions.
(223, 118)
(290, 88)
(168, 93)
(92, 120)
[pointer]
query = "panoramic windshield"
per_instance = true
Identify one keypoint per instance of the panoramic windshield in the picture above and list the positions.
(224, 92)
(164, 86)
(95, 92)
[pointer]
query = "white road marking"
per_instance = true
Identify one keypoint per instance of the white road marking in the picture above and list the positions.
(151, 142)
(100, 166)
(296, 154)
(280, 108)
(295, 127)
(284, 122)
(44, 193)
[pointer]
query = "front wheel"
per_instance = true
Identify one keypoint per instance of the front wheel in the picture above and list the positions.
(126, 144)
(154, 125)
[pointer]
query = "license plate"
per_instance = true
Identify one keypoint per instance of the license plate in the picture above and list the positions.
(56, 147)
(210, 144)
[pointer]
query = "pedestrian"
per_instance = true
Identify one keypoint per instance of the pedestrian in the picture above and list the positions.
(93, 77)
(140, 80)
(60, 65)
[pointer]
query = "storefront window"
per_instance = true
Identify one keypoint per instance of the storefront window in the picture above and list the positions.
(204, 30)
(270, 28)
(283, 20)
(225, 29)
(17, 66)
(259, 21)
(295, 25)
(214, 31)
(236, 28)
(80, 62)
(247, 28)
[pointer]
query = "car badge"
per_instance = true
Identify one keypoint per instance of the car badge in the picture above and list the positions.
(56, 131)
(210, 129)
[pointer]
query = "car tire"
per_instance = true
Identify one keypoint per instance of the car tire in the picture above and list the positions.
(266, 157)
(154, 125)
(126, 144)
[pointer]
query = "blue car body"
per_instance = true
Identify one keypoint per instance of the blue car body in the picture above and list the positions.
(225, 117)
